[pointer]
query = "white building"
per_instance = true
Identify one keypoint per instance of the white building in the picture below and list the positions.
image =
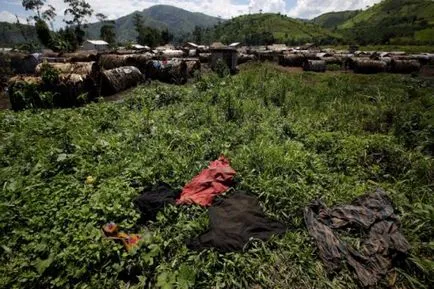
(99, 45)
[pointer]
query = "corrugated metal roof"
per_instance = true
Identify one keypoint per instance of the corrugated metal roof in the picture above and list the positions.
(97, 42)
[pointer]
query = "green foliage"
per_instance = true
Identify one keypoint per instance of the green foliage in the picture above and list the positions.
(260, 29)
(403, 22)
(49, 75)
(221, 68)
(79, 10)
(332, 20)
(44, 33)
(290, 137)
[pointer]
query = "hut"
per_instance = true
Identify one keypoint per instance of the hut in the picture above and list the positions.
(405, 66)
(229, 56)
(21, 63)
(368, 66)
(98, 45)
(294, 60)
(315, 65)
(118, 79)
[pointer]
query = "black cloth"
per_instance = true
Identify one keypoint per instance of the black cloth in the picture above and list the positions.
(153, 199)
(232, 222)
(372, 214)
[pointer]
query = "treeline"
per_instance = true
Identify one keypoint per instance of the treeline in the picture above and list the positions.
(263, 29)
(72, 36)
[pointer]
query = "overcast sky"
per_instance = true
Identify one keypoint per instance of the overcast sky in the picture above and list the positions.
(224, 8)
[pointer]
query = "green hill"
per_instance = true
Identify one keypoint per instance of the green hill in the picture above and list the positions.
(257, 28)
(333, 19)
(11, 34)
(178, 21)
(394, 22)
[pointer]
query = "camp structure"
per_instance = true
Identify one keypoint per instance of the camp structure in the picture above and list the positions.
(80, 56)
(172, 71)
(228, 55)
(293, 60)
(21, 63)
(98, 45)
(367, 66)
(314, 65)
(119, 79)
(83, 68)
(64, 91)
(404, 66)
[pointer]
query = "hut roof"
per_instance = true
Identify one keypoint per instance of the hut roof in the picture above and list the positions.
(235, 44)
(217, 45)
(97, 42)
(138, 46)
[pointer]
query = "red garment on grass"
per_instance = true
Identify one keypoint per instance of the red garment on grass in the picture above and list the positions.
(211, 182)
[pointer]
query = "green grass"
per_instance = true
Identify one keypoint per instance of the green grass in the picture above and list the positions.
(291, 138)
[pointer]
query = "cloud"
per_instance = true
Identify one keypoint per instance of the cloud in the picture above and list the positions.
(268, 6)
(312, 8)
(7, 16)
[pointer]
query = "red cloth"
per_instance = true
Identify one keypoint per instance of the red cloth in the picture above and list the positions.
(211, 182)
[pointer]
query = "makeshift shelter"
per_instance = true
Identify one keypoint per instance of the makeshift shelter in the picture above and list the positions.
(405, 66)
(228, 55)
(23, 63)
(367, 66)
(98, 45)
(173, 71)
(315, 65)
(294, 60)
(83, 68)
(119, 79)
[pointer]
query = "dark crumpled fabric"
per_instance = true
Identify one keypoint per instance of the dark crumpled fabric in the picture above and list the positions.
(153, 199)
(232, 222)
(372, 213)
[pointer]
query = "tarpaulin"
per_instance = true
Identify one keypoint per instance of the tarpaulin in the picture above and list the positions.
(373, 215)
(153, 199)
(233, 221)
(211, 182)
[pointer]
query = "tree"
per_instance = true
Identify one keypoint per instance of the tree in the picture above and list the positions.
(79, 10)
(107, 31)
(42, 31)
(166, 36)
(146, 35)
(197, 34)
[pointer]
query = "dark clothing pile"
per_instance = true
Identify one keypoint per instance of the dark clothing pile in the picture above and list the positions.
(374, 215)
(154, 199)
(233, 222)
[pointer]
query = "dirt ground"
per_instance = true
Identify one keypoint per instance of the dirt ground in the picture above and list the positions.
(4, 100)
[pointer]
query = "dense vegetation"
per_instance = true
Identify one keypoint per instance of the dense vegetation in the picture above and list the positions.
(259, 29)
(291, 138)
(12, 34)
(332, 20)
(392, 22)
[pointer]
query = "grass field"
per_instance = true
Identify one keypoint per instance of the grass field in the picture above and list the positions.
(291, 138)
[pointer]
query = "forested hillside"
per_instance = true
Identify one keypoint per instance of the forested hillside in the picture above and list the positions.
(268, 28)
(12, 34)
(333, 19)
(178, 21)
(394, 22)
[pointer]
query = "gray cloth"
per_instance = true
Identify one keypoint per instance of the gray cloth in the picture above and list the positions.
(373, 214)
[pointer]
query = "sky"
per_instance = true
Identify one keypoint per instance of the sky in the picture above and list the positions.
(307, 9)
